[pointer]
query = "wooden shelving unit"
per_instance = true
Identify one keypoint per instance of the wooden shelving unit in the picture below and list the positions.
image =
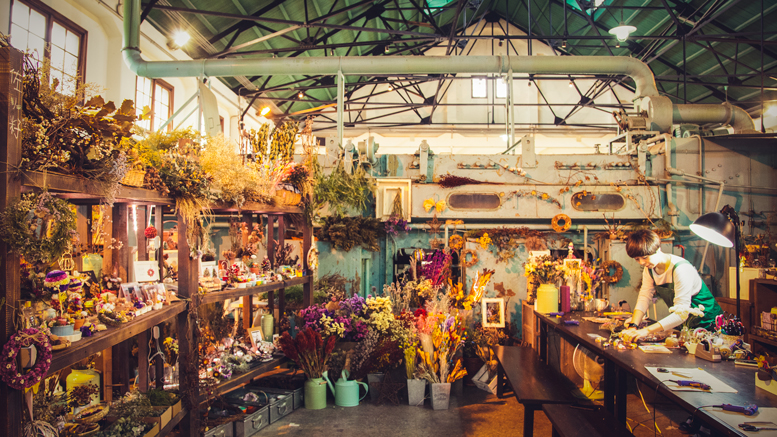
(244, 378)
(250, 291)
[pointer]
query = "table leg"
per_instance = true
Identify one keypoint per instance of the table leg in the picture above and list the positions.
(528, 420)
(500, 381)
(610, 382)
(543, 352)
(620, 396)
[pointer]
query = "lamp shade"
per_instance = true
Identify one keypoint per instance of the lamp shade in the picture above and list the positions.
(622, 31)
(715, 228)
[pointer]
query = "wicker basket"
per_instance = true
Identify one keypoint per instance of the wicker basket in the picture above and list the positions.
(287, 198)
(92, 416)
(134, 178)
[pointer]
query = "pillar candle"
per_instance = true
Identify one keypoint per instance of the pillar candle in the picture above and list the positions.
(565, 298)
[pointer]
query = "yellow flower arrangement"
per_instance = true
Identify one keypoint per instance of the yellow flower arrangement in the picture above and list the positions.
(484, 241)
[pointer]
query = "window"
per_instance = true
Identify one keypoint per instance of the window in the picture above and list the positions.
(157, 95)
(49, 35)
(479, 87)
(501, 88)
(477, 201)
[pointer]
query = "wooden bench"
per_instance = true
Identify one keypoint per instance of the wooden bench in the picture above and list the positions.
(583, 421)
(534, 383)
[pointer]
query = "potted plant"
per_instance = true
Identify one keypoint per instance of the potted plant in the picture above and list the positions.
(545, 271)
(311, 354)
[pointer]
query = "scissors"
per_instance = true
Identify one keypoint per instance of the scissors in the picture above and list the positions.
(748, 427)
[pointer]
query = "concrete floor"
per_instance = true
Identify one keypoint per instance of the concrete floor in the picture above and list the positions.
(475, 413)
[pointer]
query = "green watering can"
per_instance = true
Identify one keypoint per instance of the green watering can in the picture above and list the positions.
(346, 392)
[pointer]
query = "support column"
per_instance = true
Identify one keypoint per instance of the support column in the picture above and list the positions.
(188, 278)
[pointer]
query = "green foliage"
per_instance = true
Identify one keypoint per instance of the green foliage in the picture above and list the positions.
(161, 398)
(345, 233)
(341, 190)
(293, 296)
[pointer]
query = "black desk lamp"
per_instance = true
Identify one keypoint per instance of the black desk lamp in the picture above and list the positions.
(722, 229)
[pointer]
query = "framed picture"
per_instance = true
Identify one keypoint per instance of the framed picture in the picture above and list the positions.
(146, 271)
(209, 269)
(538, 253)
(493, 312)
(256, 335)
(573, 263)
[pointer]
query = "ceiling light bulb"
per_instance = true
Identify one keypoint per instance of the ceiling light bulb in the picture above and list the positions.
(390, 88)
(180, 38)
(529, 83)
(622, 32)
(386, 49)
(300, 95)
(500, 43)
(564, 43)
(571, 84)
(266, 110)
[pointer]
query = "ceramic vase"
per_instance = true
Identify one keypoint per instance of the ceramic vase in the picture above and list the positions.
(441, 396)
(547, 298)
(416, 390)
(315, 394)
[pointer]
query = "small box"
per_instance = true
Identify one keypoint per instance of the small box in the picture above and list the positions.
(176, 408)
(163, 419)
(225, 430)
(770, 385)
(768, 321)
(153, 432)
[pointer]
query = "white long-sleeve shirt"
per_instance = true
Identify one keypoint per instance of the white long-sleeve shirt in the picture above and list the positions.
(687, 283)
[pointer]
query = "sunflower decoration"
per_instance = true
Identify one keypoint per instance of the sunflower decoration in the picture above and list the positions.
(456, 242)
(484, 241)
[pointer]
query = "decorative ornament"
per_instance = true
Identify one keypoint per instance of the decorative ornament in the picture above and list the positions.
(313, 259)
(561, 228)
(615, 277)
(474, 260)
(66, 261)
(456, 242)
(9, 372)
(430, 204)
(150, 232)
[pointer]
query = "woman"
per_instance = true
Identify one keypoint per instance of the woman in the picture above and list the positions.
(674, 280)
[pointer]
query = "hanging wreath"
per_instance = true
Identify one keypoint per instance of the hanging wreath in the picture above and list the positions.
(456, 242)
(472, 261)
(313, 259)
(558, 218)
(10, 374)
(38, 226)
(614, 277)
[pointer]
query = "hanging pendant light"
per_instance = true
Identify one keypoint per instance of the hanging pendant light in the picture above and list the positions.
(622, 32)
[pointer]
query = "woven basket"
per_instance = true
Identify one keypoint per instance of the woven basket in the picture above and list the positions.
(93, 417)
(134, 178)
(287, 198)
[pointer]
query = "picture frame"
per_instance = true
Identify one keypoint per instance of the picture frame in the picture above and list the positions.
(146, 271)
(538, 253)
(256, 335)
(573, 263)
(493, 312)
(211, 267)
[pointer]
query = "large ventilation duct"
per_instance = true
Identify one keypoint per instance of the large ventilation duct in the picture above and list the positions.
(395, 65)
(726, 114)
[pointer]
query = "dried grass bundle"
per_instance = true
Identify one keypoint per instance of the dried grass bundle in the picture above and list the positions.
(452, 181)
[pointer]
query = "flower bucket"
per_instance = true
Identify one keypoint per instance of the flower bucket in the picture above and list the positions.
(416, 390)
(374, 391)
(441, 396)
(315, 394)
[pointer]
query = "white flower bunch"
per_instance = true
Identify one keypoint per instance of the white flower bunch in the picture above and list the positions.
(685, 311)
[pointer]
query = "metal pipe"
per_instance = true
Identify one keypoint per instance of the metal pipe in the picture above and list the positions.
(726, 114)
(585, 243)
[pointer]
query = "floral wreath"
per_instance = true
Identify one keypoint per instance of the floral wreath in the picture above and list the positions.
(471, 262)
(23, 227)
(561, 228)
(9, 372)
(615, 277)
(456, 242)
(313, 258)
(110, 318)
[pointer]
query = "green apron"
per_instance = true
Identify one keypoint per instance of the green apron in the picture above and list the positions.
(703, 297)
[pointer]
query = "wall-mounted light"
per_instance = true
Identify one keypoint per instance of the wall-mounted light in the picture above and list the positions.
(623, 31)
(500, 42)
(265, 110)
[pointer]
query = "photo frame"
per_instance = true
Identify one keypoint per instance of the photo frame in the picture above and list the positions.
(211, 267)
(256, 335)
(573, 263)
(493, 312)
(146, 271)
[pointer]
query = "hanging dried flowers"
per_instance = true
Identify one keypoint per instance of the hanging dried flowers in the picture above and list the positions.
(532, 193)
(39, 227)
(348, 232)
(484, 241)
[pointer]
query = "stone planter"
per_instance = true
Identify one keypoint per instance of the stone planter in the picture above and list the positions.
(441, 396)
(416, 390)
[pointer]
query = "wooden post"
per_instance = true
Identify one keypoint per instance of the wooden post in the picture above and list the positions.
(281, 291)
(307, 243)
(104, 364)
(140, 235)
(83, 213)
(107, 228)
(121, 257)
(159, 225)
(143, 361)
(11, 76)
(271, 257)
(120, 366)
(188, 278)
(247, 301)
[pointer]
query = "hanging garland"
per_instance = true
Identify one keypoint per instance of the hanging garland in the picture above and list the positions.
(614, 277)
(10, 374)
(561, 228)
(38, 226)
(472, 261)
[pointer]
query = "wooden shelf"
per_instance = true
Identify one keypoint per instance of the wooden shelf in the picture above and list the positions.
(240, 292)
(173, 422)
(255, 207)
(103, 340)
(245, 378)
(75, 189)
(764, 340)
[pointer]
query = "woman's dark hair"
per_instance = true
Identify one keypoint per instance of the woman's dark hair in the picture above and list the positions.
(642, 243)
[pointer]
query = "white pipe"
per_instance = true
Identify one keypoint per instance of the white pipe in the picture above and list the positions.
(668, 167)
(585, 243)
(726, 114)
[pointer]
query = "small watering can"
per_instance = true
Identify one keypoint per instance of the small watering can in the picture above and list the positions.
(346, 392)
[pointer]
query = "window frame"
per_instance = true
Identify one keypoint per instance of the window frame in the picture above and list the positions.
(171, 92)
(472, 87)
(51, 17)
